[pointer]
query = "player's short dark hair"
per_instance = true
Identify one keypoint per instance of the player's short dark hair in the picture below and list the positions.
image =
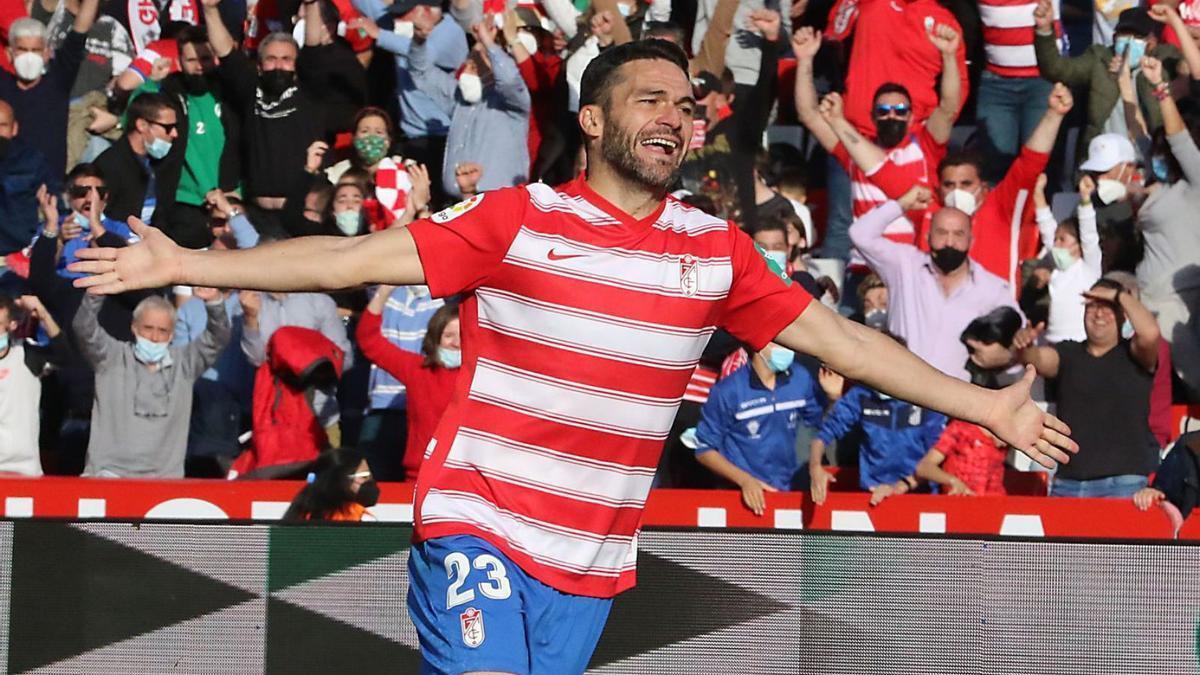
(999, 325)
(961, 158)
(84, 170)
(600, 76)
(147, 107)
(891, 88)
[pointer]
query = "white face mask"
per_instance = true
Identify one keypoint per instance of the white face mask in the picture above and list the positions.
(1063, 258)
(528, 41)
(624, 9)
(962, 200)
(403, 28)
(1110, 191)
(471, 87)
(29, 66)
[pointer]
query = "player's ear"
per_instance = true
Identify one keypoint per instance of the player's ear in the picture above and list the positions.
(591, 120)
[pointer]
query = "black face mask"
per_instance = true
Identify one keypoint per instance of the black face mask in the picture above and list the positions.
(196, 85)
(274, 82)
(368, 493)
(948, 258)
(889, 132)
(4, 143)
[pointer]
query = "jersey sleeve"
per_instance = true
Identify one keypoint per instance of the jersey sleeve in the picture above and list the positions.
(762, 299)
(461, 246)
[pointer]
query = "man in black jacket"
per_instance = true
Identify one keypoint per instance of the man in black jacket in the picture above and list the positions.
(142, 168)
(23, 169)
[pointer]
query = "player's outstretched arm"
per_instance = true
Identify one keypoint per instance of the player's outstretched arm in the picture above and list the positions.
(300, 264)
(876, 360)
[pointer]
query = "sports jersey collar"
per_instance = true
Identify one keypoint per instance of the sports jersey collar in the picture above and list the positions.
(580, 186)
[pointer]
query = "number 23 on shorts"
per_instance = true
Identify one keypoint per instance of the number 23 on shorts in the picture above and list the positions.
(458, 567)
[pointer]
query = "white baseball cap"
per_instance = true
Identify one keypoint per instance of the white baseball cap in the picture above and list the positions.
(1108, 150)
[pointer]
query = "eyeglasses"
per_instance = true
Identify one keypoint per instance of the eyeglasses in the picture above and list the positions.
(169, 128)
(81, 191)
(897, 109)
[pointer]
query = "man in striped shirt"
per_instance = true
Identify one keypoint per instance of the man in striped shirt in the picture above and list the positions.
(902, 152)
(1012, 94)
(586, 309)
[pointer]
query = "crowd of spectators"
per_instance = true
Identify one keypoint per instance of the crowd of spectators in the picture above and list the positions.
(992, 184)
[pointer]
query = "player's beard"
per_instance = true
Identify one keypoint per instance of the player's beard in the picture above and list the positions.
(618, 148)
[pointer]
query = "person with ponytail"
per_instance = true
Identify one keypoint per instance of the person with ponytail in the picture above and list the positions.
(340, 487)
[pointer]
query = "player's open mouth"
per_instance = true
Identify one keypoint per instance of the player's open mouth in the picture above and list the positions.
(661, 145)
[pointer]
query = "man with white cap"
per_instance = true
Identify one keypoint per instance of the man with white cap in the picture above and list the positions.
(1113, 163)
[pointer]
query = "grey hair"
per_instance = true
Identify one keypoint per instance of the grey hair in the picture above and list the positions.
(154, 302)
(26, 28)
(272, 38)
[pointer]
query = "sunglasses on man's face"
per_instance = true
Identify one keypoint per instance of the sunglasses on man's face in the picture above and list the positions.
(898, 109)
(81, 191)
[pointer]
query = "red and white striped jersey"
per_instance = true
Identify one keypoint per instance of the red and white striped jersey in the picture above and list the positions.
(1008, 36)
(915, 160)
(581, 328)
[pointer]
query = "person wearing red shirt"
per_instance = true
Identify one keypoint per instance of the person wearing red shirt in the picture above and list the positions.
(1002, 217)
(430, 377)
(586, 310)
(900, 151)
(966, 460)
(890, 45)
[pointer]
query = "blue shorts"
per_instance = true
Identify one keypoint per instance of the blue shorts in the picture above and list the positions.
(476, 610)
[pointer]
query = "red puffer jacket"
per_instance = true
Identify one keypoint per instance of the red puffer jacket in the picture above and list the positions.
(287, 433)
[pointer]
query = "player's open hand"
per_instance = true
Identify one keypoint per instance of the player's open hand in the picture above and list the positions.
(152, 262)
(806, 43)
(1016, 420)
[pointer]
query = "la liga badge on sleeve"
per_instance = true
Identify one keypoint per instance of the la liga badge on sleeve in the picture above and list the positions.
(451, 212)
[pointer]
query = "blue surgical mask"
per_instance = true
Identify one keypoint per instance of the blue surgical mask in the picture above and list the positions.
(82, 221)
(1127, 329)
(1136, 47)
(3, 342)
(624, 9)
(450, 358)
(158, 148)
(779, 258)
(348, 222)
(149, 351)
(780, 359)
(1158, 164)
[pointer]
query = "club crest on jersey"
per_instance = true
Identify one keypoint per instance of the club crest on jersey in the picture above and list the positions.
(472, 627)
(451, 212)
(689, 275)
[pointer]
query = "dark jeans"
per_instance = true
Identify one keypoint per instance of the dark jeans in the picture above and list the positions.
(839, 214)
(382, 439)
(1113, 486)
(1007, 110)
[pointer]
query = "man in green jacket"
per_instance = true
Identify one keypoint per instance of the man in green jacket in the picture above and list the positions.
(1101, 69)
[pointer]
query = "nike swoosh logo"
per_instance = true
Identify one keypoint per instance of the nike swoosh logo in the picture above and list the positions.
(551, 255)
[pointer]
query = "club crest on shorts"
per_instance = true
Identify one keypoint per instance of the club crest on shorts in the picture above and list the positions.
(451, 212)
(689, 275)
(472, 627)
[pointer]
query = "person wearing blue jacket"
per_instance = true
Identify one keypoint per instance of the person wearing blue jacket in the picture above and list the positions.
(747, 430)
(896, 435)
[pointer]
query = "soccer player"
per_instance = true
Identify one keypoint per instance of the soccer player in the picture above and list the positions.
(586, 308)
